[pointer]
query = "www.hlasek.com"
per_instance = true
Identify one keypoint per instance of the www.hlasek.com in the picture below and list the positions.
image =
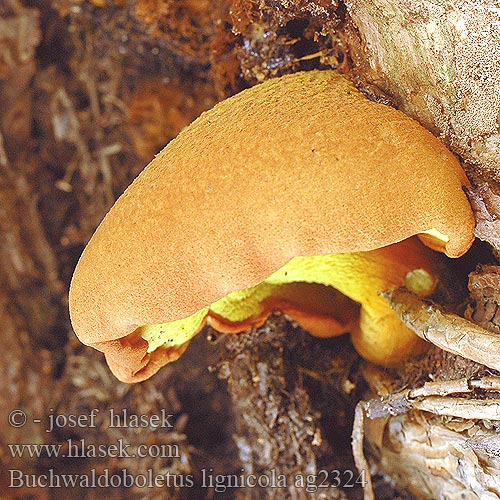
(311, 483)
(80, 448)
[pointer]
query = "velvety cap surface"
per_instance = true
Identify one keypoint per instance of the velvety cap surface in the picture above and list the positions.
(299, 165)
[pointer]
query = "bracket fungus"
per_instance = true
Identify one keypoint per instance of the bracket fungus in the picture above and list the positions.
(299, 195)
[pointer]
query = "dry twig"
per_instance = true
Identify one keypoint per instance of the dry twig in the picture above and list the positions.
(447, 331)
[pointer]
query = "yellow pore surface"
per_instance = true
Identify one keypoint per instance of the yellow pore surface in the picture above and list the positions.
(324, 294)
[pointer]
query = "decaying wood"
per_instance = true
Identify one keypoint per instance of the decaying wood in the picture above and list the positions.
(438, 458)
(484, 287)
(445, 330)
(436, 398)
(275, 422)
(439, 63)
(358, 442)
(486, 205)
(85, 94)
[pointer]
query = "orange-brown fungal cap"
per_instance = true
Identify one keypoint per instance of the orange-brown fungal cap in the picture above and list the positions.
(299, 165)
